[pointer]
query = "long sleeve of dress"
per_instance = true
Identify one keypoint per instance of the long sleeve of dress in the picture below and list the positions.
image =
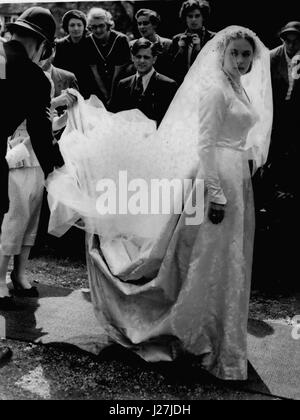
(211, 118)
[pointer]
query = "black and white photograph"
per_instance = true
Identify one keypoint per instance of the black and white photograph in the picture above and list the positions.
(148, 218)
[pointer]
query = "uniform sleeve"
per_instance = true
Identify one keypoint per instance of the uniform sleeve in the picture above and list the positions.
(212, 113)
(39, 126)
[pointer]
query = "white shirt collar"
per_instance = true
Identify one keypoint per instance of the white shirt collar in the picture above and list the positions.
(146, 78)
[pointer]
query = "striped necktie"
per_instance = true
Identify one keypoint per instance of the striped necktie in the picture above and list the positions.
(139, 88)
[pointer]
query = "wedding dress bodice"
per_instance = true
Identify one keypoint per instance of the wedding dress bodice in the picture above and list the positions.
(224, 122)
(239, 118)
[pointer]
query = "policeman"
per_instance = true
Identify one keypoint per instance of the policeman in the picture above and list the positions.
(25, 95)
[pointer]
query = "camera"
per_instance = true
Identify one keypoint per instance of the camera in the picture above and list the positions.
(189, 38)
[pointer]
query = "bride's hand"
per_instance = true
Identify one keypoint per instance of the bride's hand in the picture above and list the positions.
(216, 213)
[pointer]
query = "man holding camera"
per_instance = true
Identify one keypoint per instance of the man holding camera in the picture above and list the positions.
(186, 46)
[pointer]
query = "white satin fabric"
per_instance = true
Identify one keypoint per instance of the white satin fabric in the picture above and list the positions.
(188, 289)
(159, 285)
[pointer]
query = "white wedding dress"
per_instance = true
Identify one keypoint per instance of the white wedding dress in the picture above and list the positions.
(160, 286)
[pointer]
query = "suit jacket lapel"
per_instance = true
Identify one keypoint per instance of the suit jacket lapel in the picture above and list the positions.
(151, 84)
(131, 85)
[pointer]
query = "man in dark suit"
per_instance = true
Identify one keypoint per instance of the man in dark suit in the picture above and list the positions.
(147, 90)
(285, 72)
(25, 95)
(281, 171)
(186, 46)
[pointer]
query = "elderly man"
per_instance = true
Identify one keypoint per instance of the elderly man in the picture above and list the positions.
(186, 46)
(281, 170)
(147, 90)
(107, 52)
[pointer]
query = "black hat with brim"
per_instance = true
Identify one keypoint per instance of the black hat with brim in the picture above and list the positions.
(38, 20)
(291, 27)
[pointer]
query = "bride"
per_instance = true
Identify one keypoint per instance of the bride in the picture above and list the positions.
(161, 283)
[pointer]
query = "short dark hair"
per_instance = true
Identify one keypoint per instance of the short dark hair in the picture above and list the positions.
(143, 43)
(191, 5)
(73, 14)
(153, 16)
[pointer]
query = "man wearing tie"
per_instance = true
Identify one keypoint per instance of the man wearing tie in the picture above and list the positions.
(147, 90)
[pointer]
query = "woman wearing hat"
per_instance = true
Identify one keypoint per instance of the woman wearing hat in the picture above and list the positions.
(70, 50)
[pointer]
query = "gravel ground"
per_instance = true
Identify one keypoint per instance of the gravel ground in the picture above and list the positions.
(60, 373)
(57, 372)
